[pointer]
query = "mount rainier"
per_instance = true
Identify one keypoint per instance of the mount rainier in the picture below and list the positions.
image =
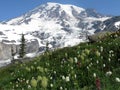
(61, 25)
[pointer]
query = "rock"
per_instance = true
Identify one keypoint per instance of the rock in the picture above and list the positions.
(5, 49)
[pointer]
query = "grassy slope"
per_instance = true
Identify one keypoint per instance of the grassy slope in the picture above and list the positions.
(79, 68)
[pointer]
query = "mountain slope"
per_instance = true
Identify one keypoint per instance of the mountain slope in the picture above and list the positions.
(60, 25)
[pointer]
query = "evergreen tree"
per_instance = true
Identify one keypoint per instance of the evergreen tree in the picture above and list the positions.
(22, 47)
(12, 53)
(47, 48)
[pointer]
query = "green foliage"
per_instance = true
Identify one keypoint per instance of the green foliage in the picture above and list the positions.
(22, 47)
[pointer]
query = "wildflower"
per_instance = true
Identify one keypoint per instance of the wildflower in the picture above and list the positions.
(103, 65)
(40, 69)
(67, 79)
(112, 55)
(97, 61)
(76, 60)
(97, 53)
(33, 83)
(27, 81)
(119, 59)
(72, 68)
(16, 85)
(91, 63)
(108, 73)
(75, 75)
(44, 82)
(51, 78)
(87, 67)
(117, 79)
(51, 85)
(63, 77)
(87, 51)
(101, 49)
(61, 88)
(94, 75)
(109, 59)
(28, 69)
(54, 72)
(29, 86)
(39, 78)
(111, 51)
(98, 83)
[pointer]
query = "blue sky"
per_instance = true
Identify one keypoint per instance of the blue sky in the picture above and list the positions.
(13, 8)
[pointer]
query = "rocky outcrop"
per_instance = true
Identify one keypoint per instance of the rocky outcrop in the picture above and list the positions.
(5, 49)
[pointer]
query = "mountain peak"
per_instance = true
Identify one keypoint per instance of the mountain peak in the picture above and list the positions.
(59, 24)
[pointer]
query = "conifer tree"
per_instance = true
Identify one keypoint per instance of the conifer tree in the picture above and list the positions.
(22, 47)
(12, 53)
(47, 48)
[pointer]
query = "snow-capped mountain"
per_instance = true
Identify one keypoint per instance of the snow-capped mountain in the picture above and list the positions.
(60, 25)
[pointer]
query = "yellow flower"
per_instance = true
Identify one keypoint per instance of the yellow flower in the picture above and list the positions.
(40, 69)
(97, 53)
(87, 51)
(28, 69)
(33, 83)
(39, 78)
(44, 82)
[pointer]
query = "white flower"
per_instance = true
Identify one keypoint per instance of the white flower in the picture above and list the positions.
(51, 85)
(67, 79)
(76, 60)
(101, 49)
(94, 74)
(27, 81)
(87, 67)
(29, 86)
(109, 59)
(75, 75)
(71, 67)
(103, 65)
(108, 73)
(16, 85)
(117, 79)
(54, 72)
(61, 88)
(112, 54)
(97, 62)
(51, 78)
(63, 77)
(91, 63)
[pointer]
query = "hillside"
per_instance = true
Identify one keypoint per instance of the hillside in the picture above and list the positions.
(87, 66)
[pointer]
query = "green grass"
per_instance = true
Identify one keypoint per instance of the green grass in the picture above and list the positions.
(70, 68)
